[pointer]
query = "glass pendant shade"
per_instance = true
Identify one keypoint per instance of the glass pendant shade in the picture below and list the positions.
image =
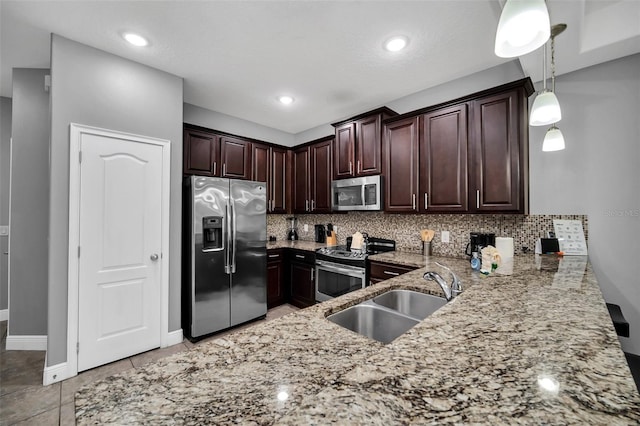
(545, 109)
(553, 140)
(523, 27)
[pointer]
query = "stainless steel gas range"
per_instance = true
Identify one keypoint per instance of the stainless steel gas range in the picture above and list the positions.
(340, 270)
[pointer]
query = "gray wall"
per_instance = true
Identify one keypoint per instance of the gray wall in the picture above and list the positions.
(598, 174)
(5, 141)
(237, 126)
(29, 207)
(95, 88)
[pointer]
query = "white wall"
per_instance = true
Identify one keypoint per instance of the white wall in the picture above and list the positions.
(5, 141)
(237, 126)
(95, 88)
(598, 174)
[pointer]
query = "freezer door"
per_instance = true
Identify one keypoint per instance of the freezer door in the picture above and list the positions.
(248, 251)
(210, 285)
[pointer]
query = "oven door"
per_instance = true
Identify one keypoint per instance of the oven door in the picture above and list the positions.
(334, 279)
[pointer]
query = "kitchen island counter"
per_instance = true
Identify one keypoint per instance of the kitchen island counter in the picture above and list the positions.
(533, 347)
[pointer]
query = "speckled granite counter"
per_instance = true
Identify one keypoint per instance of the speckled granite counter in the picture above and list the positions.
(299, 245)
(488, 357)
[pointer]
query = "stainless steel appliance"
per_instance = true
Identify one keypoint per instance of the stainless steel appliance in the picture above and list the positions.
(340, 270)
(478, 241)
(320, 234)
(292, 234)
(361, 193)
(224, 254)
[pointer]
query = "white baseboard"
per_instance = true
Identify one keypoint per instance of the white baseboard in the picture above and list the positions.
(174, 337)
(26, 343)
(4, 314)
(55, 373)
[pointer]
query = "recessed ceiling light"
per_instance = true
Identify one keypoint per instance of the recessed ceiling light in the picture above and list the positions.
(395, 44)
(285, 100)
(135, 39)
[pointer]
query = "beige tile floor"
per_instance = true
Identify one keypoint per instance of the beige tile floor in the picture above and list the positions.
(24, 401)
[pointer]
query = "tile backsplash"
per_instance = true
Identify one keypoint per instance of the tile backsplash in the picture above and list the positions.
(405, 228)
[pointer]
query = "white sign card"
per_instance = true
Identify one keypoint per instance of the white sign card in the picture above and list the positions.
(570, 235)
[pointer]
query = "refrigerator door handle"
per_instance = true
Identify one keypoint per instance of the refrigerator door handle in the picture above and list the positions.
(233, 238)
(227, 234)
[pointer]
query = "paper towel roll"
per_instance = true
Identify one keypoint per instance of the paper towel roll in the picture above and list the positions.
(504, 245)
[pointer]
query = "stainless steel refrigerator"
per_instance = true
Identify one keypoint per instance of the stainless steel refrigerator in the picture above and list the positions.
(224, 254)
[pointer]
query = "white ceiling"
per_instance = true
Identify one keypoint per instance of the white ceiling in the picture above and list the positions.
(237, 56)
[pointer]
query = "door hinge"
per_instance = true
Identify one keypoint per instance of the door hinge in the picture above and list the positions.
(77, 347)
(78, 251)
(80, 156)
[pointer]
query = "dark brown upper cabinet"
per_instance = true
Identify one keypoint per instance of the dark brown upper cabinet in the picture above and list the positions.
(270, 166)
(358, 144)
(201, 153)
(470, 155)
(209, 153)
(235, 155)
(498, 153)
(401, 166)
(312, 171)
(443, 160)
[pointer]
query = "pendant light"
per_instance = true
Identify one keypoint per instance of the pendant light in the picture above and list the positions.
(553, 139)
(523, 27)
(546, 108)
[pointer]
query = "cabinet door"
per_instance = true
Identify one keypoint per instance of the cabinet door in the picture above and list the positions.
(201, 153)
(443, 160)
(302, 285)
(497, 170)
(236, 158)
(343, 151)
(321, 177)
(368, 146)
(401, 166)
(301, 177)
(275, 289)
(261, 165)
(278, 180)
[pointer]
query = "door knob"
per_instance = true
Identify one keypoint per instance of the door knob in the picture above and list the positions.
(154, 257)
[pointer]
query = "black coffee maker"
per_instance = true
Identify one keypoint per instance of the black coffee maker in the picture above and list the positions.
(321, 234)
(478, 241)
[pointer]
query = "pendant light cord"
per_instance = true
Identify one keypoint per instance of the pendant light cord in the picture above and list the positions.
(553, 65)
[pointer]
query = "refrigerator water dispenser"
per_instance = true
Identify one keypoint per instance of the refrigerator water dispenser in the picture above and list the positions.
(212, 233)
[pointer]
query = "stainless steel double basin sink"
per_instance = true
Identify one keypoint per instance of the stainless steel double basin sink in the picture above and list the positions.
(389, 315)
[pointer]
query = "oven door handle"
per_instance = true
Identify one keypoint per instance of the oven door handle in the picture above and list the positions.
(346, 271)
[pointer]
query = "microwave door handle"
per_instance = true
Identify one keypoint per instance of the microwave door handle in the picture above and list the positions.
(364, 202)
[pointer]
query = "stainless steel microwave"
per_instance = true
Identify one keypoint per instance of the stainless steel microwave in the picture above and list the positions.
(361, 193)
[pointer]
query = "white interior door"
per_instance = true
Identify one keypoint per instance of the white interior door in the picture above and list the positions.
(119, 269)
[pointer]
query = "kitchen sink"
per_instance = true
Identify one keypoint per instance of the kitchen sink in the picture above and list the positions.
(412, 303)
(374, 322)
(389, 315)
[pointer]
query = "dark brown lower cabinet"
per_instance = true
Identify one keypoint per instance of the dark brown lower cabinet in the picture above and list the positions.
(380, 271)
(301, 278)
(276, 294)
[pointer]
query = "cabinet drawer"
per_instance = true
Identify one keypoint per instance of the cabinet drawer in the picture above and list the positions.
(302, 256)
(275, 255)
(384, 271)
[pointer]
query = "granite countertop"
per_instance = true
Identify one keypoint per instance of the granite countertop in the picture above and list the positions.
(298, 245)
(487, 357)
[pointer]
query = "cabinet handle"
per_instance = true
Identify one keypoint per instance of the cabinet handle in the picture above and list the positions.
(358, 166)
(299, 256)
(224, 169)
(391, 273)
(477, 198)
(312, 271)
(214, 167)
(350, 170)
(313, 205)
(306, 205)
(426, 201)
(413, 201)
(273, 256)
